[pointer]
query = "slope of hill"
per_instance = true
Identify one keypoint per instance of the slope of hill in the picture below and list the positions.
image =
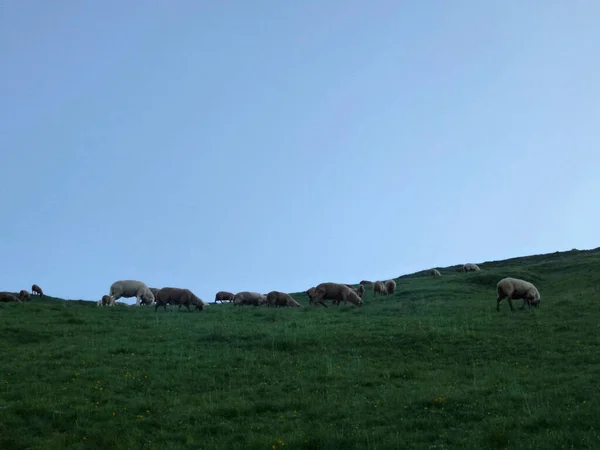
(433, 366)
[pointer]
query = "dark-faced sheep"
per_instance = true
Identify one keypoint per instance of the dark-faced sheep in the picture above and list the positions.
(177, 296)
(336, 292)
(106, 301)
(249, 298)
(469, 267)
(24, 295)
(514, 289)
(378, 288)
(435, 273)
(311, 294)
(35, 289)
(6, 297)
(278, 299)
(223, 296)
(131, 288)
(390, 287)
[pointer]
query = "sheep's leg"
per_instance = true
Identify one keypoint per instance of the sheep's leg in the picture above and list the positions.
(187, 305)
(498, 300)
(523, 306)
(137, 300)
(510, 303)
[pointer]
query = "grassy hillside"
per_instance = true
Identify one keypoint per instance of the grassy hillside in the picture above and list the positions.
(433, 366)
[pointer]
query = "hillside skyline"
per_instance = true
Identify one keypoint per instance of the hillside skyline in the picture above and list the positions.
(275, 146)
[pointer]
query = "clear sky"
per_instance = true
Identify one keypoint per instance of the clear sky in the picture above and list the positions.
(261, 145)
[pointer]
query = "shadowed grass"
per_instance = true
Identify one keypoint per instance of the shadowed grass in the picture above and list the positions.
(433, 365)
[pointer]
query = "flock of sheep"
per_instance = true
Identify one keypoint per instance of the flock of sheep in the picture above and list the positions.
(509, 288)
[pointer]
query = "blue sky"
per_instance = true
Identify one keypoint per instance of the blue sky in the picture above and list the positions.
(274, 145)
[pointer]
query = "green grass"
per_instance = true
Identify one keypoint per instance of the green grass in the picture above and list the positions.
(434, 366)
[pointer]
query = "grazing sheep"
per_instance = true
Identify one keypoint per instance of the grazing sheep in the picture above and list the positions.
(390, 286)
(336, 292)
(6, 297)
(469, 268)
(177, 296)
(360, 290)
(106, 301)
(224, 296)
(513, 289)
(363, 282)
(35, 289)
(131, 288)
(435, 273)
(378, 288)
(277, 299)
(249, 298)
(24, 295)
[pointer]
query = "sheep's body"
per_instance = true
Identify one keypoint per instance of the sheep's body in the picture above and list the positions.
(249, 298)
(469, 267)
(435, 273)
(177, 296)
(224, 296)
(6, 297)
(35, 289)
(106, 301)
(360, 290)
(363, 282)
(336, 292)
(378, 288)
(24, 295)
(390, 286)
(514, 289)
(131, 288)
(278, 299)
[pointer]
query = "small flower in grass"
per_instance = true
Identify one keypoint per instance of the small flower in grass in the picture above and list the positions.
(147, 411)
(145, 377)
(139, 416)
(114, 414)
(84, 438)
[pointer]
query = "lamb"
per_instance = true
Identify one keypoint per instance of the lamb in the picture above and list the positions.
(277, 299)
(390, 286)
(469, 268)
(24, 295)
(378, 288)
(513, 289)
(6, 297)
(336, 292)
(106, 301)
(435, 273)
(35, 289)
(363, 282)
(224, 296)
(249, 298)
(177, 296)
(131, 288)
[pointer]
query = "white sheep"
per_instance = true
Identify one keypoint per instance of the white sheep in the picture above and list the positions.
(131, 288)
(513, 289)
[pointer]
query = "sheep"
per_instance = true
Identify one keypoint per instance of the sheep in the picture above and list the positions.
(360, 290)
(106, 301)
(513, 289)
(6, 297)
(435, 273)
(469, 268)
(390, 286)
(177, 296)
(336, 292)
(131, 288)
(363, 282)
(378, 288)
(277, 299)
(24, 295)
(35, 289)
(223, 296)
(249, 298)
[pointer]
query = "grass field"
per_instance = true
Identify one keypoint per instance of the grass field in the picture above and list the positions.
(432, 367)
